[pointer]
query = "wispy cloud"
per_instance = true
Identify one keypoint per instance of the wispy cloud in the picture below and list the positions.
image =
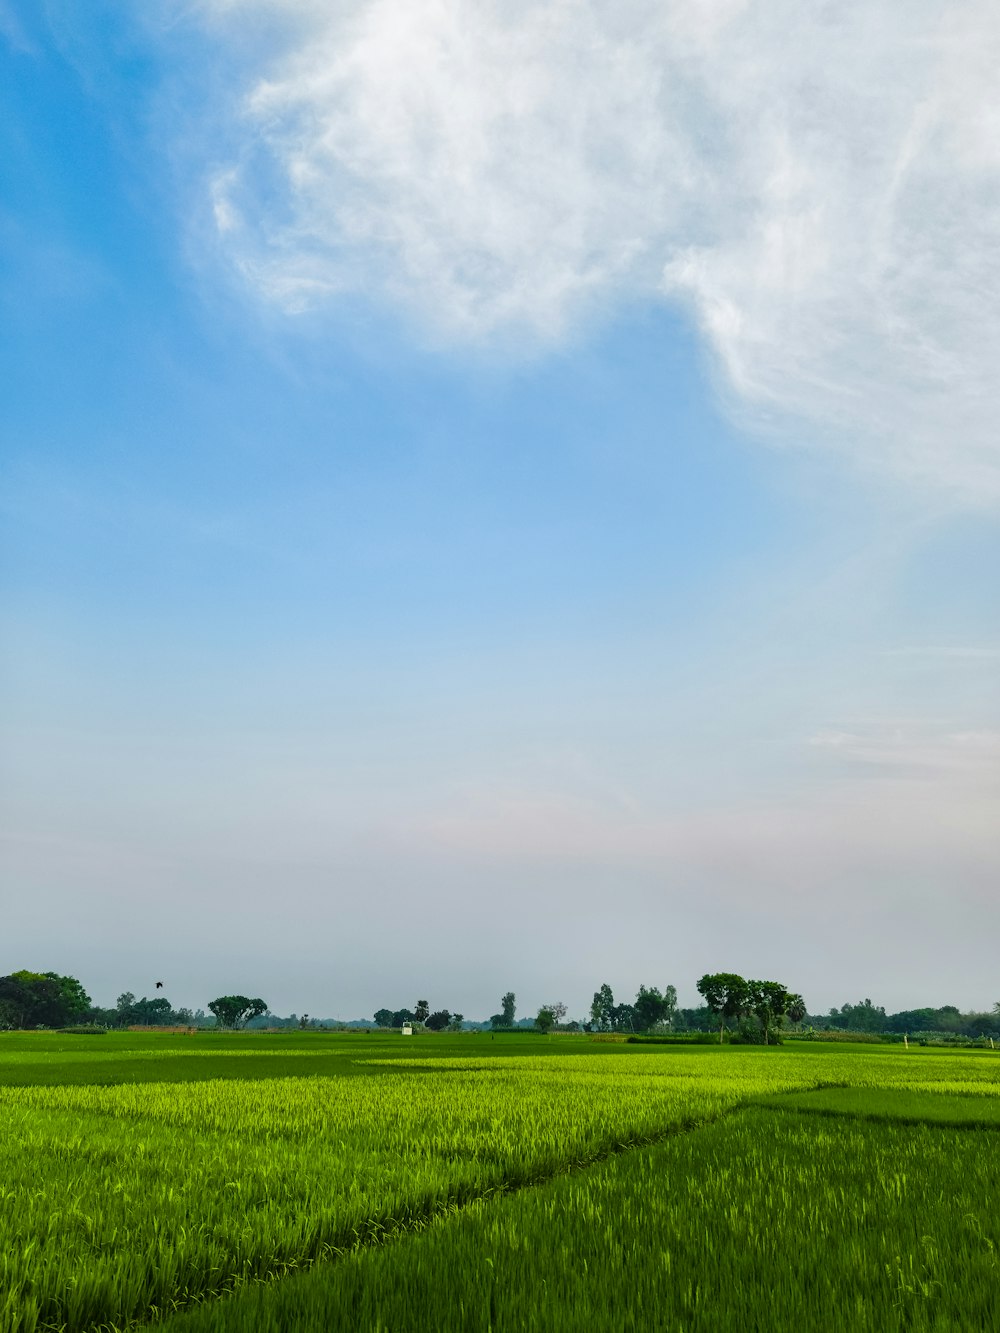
(12, 31)
(952, 652)
(920, 749)
(821, 185)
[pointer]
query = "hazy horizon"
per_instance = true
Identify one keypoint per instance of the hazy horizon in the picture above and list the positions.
(501, 497)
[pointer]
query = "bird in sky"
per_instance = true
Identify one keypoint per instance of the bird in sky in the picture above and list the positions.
(159, 985)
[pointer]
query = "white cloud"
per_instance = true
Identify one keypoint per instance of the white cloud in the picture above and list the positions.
(935, 753)
(820, 184)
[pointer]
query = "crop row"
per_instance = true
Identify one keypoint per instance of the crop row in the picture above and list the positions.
(768, 1222)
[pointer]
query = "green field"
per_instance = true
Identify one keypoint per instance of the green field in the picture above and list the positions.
(376, 1183)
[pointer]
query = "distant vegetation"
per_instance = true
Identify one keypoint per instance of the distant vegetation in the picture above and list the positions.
(734, 1008)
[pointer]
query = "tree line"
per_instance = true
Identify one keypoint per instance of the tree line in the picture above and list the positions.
(441, 1020)
(945, 1020)
(752, 1010)
(49, 1000)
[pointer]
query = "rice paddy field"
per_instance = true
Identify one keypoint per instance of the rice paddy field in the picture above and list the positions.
(360, 1182)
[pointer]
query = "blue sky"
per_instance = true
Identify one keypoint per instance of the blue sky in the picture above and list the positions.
(500, 498)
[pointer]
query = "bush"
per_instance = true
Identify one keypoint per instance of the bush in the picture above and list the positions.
(84, 1030)
(685, 1039)
(835, 1034)
(949, 1039)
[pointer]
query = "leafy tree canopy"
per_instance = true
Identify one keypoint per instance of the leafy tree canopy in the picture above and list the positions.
(232, 1011)
(41, 999)
(725, 993)
(602, 1009)
(768, 1001)
(545, 1019)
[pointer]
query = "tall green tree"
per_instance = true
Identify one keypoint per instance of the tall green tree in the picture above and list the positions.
(508, 1008)
(861, 1017)
(648, 1008)
(768, 1001)
(157, 1012)
(232, 1011)
(602, 1008)
(41, 999)
(75, 1000)
(725, 993)
(545, 1019)
(669, 1005)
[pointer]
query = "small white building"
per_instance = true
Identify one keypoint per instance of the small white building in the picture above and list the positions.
(407, 1030)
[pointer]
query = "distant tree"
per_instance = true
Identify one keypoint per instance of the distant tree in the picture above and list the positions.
(508, 1008)
(862, 1017)
(545, 1019)
(947, 1019)
(768, 1001)
(558, 1011)
(304, 1021)
(456, 1023)
(151, 1013)
(725, 993)
(19, 999)
(402, 1016)
(649, 1008)
(422, 1010)
(669, 1005)
(231, 1011)
(601, 1009)
(41, 999)
(383, 1017)
(796, 1008)
(623, 1018)
(437, 1022)
(700, 1019)
(75, 1000)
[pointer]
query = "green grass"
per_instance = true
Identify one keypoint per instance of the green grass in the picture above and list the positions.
(120, 1201)
(140, 1057)
(150, 1172)
(979, 1109)
(767, 1221)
